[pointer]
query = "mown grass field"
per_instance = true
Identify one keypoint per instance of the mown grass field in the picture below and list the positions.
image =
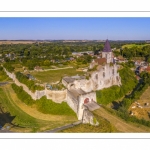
(26, 118)
(52, 76)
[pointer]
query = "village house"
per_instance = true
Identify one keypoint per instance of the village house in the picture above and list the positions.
(38, 68)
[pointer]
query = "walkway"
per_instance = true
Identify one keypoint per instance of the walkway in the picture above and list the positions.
(64, 127)
(92, 106)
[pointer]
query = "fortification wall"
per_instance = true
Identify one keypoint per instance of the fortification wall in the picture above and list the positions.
(72, 102)
(56, 96)
(90, 96)
(88, 117)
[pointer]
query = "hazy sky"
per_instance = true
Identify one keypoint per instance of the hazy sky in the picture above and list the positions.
(74, 28)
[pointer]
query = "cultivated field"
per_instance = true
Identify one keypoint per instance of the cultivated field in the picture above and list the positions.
(141, 108)
(16, 42)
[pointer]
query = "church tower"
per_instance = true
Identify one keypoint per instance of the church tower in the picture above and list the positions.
(107, 53)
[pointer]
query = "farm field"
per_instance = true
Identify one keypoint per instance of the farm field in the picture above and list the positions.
(141, 108)
(16, 42)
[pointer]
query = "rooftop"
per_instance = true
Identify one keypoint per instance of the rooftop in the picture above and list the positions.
(77, 92)
(107, 47)
(73, 78)
(100, 61)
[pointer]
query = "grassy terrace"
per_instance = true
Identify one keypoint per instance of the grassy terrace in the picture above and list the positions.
(55, 75)
(25, 118)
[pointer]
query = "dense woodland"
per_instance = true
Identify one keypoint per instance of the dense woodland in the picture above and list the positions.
(45, 54)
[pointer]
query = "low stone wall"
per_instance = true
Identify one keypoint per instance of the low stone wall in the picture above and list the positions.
(56, 96)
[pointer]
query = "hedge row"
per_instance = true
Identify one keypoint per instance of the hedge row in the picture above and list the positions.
(29, 83)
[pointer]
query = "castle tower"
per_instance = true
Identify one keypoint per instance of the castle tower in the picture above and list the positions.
(107, 53)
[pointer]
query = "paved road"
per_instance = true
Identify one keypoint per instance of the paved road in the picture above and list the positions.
(63, 127)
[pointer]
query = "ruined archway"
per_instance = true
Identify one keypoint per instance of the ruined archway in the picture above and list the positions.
(86, 101)
(72, 86)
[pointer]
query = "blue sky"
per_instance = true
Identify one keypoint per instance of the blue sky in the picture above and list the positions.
(74, 28)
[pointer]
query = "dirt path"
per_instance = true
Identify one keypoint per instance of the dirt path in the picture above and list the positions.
(53, 69)
(120, 124)
(33, 111)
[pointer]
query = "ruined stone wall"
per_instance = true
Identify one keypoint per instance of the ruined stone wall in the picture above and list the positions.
(64, 83)
(56, 96)
(91, 96)
(72, 102)
(88, 117)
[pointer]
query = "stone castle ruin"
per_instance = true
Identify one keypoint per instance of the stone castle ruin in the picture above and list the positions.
(80, 92)
(81, 95)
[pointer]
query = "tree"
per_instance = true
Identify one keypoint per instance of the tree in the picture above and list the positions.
(46, 63)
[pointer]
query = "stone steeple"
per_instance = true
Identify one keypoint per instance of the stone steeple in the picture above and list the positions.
(107, 47)
(107, 52)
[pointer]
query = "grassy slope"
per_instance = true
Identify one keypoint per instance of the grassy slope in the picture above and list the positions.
(120, 124)
(55, 75)
(113, 93)
(104, 127)
(29, 117)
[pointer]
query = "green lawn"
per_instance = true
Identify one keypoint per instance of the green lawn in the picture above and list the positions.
(55, 75)
(19, 119)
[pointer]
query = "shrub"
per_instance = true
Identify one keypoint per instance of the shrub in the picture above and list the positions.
(50, 107)
(29, 83)
(22, 95)
(9, 67)
(113, 93)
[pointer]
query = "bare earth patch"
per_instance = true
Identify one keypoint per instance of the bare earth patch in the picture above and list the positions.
(141, 108)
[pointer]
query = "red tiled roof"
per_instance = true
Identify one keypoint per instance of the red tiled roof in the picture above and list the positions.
(147, 69)
(100, 61)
